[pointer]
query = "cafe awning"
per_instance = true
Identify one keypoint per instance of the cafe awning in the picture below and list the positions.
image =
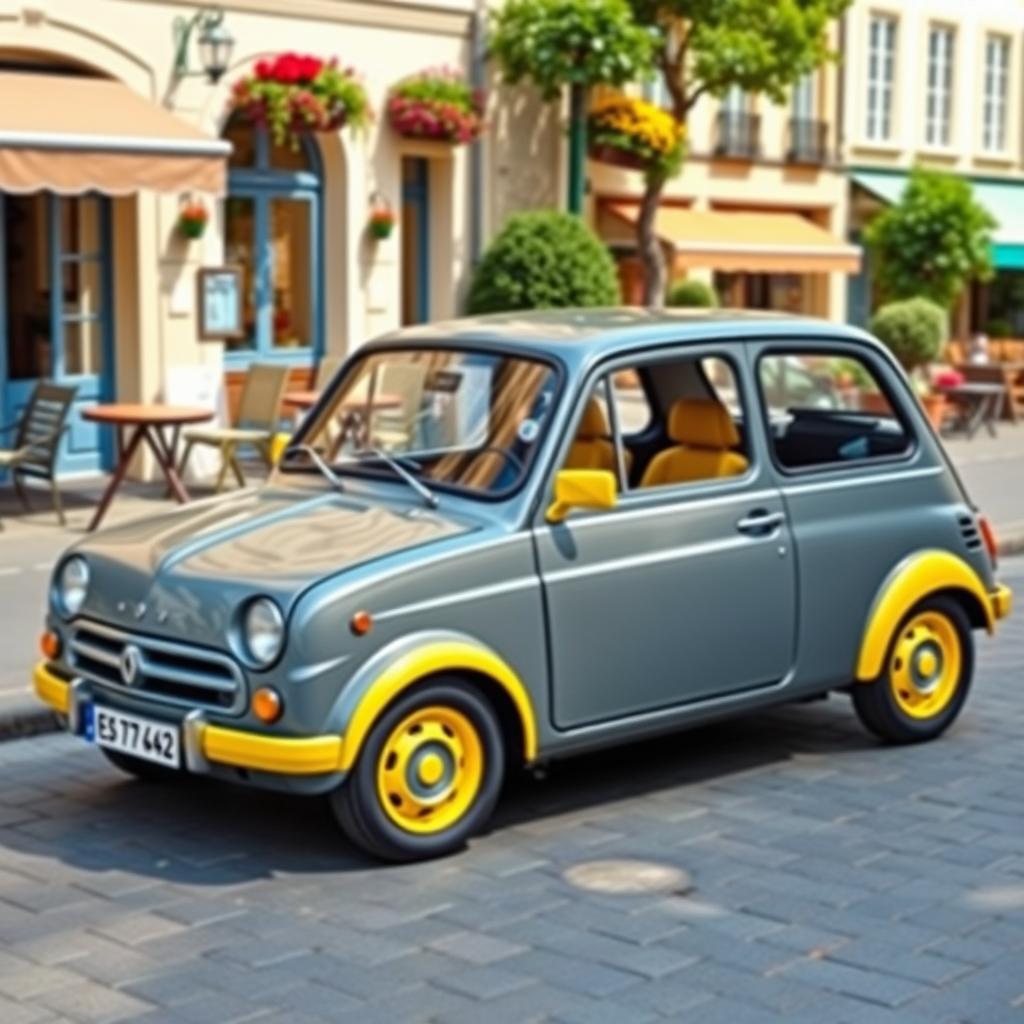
(758, 242)
(1003, 199)
(72, 134)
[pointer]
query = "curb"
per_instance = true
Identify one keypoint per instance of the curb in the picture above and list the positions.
(30, 718)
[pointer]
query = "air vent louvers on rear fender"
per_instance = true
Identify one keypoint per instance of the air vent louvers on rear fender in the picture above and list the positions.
(970, 532)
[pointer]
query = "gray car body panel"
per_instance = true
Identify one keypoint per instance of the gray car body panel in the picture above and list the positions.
(646, 618)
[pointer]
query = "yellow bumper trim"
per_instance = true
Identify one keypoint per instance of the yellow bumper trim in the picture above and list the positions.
(313, 755)
(50, 689)
(1001, 601)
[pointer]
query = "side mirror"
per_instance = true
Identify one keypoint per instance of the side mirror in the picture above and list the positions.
(581, 488)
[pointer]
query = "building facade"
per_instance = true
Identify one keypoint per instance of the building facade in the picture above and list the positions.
(938, 83)
(760, 208)
(98, 286)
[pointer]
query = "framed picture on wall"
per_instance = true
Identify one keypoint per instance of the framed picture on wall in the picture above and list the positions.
(220, 303)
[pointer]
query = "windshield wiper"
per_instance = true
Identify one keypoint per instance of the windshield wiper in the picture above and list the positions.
(396, 466)
(317, 459)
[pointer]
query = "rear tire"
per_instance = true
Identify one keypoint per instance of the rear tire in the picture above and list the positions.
(428, 776)
(928, 671)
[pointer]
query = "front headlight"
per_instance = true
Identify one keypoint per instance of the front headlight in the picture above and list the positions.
(73, 585)
(263, 631)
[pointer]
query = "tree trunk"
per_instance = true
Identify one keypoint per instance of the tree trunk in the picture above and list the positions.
(651, 256)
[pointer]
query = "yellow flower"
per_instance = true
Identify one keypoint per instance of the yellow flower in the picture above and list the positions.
(647, 124)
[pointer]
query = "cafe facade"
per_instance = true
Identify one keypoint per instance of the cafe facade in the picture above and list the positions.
(117, 135)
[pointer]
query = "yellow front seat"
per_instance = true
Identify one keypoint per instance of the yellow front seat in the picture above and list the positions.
(704, 434)
(592, 448)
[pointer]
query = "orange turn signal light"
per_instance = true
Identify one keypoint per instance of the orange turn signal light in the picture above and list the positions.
(267, 705)
(362, 623)
(988, 535)
(49, 644)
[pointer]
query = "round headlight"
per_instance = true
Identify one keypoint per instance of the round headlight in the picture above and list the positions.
(73, 585)
(263, 628)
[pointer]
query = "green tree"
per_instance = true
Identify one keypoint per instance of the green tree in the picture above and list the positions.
(913, 329)
(575, 43)
(933, 241)
(706, 47)
(543, 259)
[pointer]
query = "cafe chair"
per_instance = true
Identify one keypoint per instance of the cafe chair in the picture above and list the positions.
(37, 437)
(395, 428)
(257, 422)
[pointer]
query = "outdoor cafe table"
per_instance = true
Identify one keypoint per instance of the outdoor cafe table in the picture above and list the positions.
(155, 425)
(977, 405)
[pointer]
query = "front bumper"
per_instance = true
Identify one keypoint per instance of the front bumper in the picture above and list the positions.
(207, 744)
(1001, 601)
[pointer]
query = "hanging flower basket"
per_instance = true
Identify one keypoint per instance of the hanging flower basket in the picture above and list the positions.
(631, 133)
(192, 220)
(381, 222)
(293, 94)
(438, 104)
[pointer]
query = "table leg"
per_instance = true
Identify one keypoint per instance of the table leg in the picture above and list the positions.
(993, 404)
(124, 459)
(164, 453)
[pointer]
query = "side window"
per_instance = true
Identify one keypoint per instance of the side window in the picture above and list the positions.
(826, 410)
(680, 421)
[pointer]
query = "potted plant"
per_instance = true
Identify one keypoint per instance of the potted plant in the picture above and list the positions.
(915, 331)
(381, 222)
(293, 93)
(193, 218)
(632, 133)
(437, 104)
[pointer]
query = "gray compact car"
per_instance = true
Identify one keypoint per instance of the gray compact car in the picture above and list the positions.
(500, 541)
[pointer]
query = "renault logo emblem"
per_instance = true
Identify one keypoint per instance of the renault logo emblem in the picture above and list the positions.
(131, 664)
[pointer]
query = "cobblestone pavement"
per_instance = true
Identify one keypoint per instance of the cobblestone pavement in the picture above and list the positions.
(828, 880)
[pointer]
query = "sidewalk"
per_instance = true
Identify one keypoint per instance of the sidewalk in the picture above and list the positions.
(992, 470)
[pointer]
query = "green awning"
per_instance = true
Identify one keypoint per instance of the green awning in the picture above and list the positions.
(1003, 199)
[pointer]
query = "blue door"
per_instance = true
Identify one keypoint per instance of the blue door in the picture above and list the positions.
(55, 304)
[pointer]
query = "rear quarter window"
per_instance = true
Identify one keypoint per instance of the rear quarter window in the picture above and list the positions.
(827, 409)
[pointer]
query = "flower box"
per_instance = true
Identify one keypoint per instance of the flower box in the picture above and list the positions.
(606, 153)
(632, 133)
(439, 105)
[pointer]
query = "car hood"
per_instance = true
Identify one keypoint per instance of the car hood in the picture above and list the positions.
(275, 540)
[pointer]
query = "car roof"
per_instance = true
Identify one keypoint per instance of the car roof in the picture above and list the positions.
(579, 335)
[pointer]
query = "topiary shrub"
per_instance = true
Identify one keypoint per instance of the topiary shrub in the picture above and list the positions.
(696, 294)
(914, 330)
(543, 260)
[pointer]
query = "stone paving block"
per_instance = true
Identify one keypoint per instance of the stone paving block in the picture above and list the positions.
(574, 974)
(476, 947)
(90, 1002)
(483, 981)
(871, 986)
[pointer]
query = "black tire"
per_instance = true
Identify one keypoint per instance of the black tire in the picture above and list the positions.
(876, 702)
(357, 804)
(146, 771)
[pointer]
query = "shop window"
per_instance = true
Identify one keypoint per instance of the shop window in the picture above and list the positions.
(273, 230)
(826, 410)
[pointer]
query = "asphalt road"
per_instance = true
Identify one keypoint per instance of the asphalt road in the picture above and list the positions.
(790, 869)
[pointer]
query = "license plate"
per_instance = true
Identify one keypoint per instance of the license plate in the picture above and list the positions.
(130, 734)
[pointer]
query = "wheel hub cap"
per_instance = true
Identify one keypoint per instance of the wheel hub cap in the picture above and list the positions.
(925, 668)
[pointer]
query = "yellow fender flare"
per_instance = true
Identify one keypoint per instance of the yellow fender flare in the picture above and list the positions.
(911, 581)
(417, 664)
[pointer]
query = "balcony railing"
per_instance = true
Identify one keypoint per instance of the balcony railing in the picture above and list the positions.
(808, 141)
(739, 135)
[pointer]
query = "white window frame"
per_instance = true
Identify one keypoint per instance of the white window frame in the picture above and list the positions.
(995, 105)
(883, 35)
(938, 112)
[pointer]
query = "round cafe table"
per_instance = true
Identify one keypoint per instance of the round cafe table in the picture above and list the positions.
(155, 425)
(352, 414)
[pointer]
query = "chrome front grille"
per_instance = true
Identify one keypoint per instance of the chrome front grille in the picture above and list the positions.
(177, 673)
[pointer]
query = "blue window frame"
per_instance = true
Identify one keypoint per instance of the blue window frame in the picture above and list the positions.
(274, 230)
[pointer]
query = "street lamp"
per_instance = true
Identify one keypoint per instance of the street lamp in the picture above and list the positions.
(215, 44)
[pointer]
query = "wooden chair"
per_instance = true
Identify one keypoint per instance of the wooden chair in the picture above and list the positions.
(258, 419)
(37, 437)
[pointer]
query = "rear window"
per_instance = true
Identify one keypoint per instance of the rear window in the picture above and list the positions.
(828, 410)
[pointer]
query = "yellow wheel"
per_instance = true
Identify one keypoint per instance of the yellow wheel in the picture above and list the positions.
(428, 776)
(430, 769)
(927, 675)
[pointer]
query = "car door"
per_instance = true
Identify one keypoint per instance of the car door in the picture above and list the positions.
(682, 592)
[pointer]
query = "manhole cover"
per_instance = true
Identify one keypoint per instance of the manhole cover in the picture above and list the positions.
(627, 876)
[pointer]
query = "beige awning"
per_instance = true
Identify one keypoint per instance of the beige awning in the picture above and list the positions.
(71, 134)
(739, 240)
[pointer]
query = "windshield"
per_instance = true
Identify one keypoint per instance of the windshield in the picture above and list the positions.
(470, 420)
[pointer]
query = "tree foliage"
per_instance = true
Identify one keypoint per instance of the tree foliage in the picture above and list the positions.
(933, 241)
(543, 259)
(554, 43)
(914, 330)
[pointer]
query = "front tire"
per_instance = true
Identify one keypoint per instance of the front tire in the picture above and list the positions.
(927, 675)
(428, 776)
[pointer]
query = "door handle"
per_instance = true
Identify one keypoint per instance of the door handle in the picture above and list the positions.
(760, 522)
